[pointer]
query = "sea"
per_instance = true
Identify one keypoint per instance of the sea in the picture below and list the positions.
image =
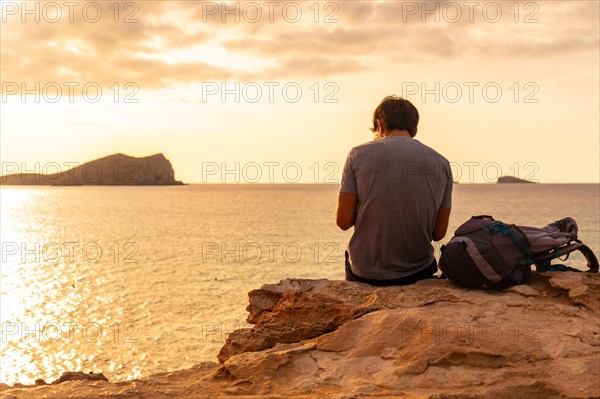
(132, 281)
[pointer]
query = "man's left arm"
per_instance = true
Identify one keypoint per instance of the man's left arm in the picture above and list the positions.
(346, 210)
(348, 197)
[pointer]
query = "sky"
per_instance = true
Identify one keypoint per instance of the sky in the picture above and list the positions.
(280, 91)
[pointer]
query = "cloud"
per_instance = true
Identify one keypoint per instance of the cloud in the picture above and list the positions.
(296, 67)
(182, 41)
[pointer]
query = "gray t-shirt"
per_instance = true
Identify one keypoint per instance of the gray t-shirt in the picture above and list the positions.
(400, 183)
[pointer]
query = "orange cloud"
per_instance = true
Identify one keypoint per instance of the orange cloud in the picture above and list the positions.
(165, 45)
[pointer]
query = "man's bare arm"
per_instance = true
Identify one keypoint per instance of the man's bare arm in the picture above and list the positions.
(441, 224)
(346, 210)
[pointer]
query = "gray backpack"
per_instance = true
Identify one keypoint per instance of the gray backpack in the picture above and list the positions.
(485, 252)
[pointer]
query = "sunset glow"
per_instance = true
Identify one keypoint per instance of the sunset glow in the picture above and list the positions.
(505, 84)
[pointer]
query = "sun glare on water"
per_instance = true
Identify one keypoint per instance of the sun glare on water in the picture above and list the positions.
(38, 292)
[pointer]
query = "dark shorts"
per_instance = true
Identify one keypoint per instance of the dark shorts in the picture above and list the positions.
(428, 272)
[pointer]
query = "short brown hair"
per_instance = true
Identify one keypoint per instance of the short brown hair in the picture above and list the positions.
(397, 113)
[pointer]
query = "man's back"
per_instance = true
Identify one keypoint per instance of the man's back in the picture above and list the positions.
(400, 184)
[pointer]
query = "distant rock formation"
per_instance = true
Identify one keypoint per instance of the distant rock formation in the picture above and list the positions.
(512, 179)
(117, 169)
(430, 340)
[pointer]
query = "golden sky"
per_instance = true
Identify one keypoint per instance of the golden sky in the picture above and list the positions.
(284, 89)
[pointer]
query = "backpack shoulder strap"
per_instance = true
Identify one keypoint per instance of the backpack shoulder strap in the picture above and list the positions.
(543, 261)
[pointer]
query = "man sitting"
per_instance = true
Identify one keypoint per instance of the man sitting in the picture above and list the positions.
(397, 193)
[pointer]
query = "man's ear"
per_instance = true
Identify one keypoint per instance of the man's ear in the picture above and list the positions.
(381, 126)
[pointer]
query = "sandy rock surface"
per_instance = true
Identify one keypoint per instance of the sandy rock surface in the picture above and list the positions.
(336, 339)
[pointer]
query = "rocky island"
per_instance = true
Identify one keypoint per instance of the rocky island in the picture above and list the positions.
(431, 340)
(512, 179)
(117, 169)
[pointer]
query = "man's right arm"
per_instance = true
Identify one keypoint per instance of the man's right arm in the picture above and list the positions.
(443, 214)
(441, 224)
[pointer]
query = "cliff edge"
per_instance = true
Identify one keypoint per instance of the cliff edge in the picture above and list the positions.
(337, 339)
(117, 169)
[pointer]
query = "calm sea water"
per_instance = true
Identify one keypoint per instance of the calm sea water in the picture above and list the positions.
(131, 281)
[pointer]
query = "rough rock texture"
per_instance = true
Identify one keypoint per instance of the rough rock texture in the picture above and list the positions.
(336, 339)
(76, 376)
(118, 169)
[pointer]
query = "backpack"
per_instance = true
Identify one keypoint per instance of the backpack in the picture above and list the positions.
(485, 252)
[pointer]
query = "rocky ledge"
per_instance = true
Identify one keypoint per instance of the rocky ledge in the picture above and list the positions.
(336, 339)
(117, 169)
